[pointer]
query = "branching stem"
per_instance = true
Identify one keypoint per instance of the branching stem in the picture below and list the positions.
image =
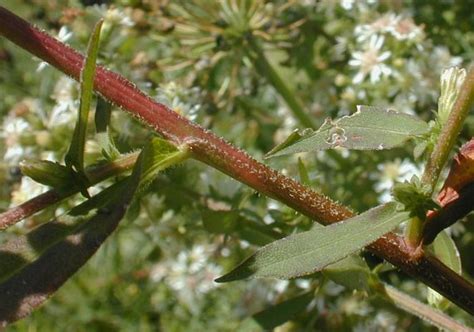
(219, 154)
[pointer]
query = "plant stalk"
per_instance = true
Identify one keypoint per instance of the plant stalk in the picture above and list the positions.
(443, 147)
(266, 69)
(450, 131)
(95, 174)
(217, 153)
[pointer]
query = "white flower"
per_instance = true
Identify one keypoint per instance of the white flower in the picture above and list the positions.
(64, 34)
(347, 4)
(182, 100)
(370, 61)
(13, 128)
(116, 16)
(406, 29)
(383, 24)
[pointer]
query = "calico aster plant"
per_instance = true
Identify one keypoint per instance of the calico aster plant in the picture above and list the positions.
(35, 265)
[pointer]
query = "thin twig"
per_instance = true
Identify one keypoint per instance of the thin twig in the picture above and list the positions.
(95, 174)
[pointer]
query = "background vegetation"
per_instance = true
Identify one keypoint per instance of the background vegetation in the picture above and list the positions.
(156, 272)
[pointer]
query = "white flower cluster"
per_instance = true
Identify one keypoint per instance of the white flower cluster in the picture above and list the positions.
(191, 275)
(371, 59)
(185, 101)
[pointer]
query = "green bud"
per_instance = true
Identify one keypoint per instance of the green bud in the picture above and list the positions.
(48, 173)
(451, 81)
(415, 197)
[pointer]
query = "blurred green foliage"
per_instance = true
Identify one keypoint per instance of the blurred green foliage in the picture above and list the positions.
(156, 272)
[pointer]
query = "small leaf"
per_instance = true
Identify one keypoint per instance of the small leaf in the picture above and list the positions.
(305, 253)
(159, 154)
(415, 196)
(370, 128)
(445, 249)
(282, 312)
(48, 173)
(75, 155)
(35, 281)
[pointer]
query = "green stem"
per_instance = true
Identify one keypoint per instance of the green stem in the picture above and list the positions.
(443, 147)
(266, 69)
(413, 232)
(95, 174)
(450, 132)
(219, 154)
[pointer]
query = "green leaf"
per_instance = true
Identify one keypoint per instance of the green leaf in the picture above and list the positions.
(39, 263)
(370, 128)
(351, 272)
(103, 136)
(445, 249)
(75, 155)
(48, 173)
(283, 311)
(159, 154)
(305, 253)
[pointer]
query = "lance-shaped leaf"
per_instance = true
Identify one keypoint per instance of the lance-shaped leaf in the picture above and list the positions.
(75, 154)
(32, 284)
(305, 253)
(370, 128)
(282, 312)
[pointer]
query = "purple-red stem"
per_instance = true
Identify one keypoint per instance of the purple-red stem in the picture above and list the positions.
(214, 151)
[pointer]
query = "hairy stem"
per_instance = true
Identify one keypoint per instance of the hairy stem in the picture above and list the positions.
(219, 154)
(96, 174)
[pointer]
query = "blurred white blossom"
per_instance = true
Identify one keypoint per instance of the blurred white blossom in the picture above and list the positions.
(392, 172)
(191, 275)
(370, 61)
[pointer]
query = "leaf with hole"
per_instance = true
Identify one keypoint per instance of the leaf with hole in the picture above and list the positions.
(370, 128)
(305, 253)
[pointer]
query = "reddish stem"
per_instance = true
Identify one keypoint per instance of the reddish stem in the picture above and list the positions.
(219, 154)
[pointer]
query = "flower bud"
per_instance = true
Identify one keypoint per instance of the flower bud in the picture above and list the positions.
(47, 172)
